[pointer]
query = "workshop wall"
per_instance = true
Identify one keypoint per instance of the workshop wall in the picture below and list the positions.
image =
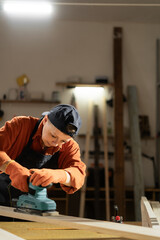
(57, 51)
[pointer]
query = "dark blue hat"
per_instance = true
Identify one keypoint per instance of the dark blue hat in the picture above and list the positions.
(66, 118)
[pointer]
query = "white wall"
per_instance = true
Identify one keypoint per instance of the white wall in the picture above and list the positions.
(52, 51)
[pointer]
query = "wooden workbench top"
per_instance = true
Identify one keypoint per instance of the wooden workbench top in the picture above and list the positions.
(45, 231)
(104, 229)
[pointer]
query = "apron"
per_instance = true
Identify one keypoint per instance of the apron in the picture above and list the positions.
(29, 159)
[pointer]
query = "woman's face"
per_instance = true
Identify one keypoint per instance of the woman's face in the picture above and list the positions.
(51, 136)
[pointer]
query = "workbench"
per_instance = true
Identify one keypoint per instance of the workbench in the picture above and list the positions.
(45, 231)
(67, 227)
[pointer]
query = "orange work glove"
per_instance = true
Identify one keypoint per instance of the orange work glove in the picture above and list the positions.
(46, 176)
(18, 175)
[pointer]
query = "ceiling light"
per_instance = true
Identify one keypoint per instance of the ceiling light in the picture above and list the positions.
(27, 9)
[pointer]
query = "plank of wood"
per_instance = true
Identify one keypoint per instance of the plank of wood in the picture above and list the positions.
(149, 218)
(136, 149)
(46, 231)
(120, 230)
(86, 156)
(96, 163)
(5, 235)
(118, 116)
(156, 209)
(105, 139)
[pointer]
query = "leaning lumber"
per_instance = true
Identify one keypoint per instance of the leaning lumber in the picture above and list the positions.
(120, 230)
(86, 158)
(136, 149)
(149, 218)
(150, 212)
(156, 209)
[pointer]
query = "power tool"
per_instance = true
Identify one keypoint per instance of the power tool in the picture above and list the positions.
(36, 201)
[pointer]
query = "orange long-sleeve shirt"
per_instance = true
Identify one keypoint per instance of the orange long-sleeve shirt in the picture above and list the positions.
(14, 136)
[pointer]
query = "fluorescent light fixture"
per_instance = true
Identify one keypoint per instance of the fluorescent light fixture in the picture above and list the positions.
(28, 8)
(94, 93)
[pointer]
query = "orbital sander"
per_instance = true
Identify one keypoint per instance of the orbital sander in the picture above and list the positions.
(35, 201)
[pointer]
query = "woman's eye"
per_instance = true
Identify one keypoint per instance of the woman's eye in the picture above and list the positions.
(53, 136)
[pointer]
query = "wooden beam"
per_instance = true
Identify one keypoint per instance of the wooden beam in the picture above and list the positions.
(86, 158)
(118, 106)
(96, 132)
(105, 139)
(120, 230)
(136, 149)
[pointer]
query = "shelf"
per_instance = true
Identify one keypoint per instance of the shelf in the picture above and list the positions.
(28, 101)
(129, 193)
(72, 85)
(129, 189)
(112, 137)
(100, 136)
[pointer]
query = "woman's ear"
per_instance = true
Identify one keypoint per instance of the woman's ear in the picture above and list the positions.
(45, 119)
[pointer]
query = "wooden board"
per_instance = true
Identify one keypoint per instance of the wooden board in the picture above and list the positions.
(120, 230)
(86, 158)
(118, 116)
(4, 235)
(156, 209)
(96, 134)
(136, 149)
(105, 139)
(149, 218)
(46, 231)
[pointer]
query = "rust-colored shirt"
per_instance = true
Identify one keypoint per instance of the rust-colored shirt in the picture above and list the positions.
(14, 136)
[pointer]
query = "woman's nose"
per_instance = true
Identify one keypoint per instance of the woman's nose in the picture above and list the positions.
(55, 142)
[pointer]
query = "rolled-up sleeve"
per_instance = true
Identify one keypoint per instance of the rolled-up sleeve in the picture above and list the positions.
(70, 160)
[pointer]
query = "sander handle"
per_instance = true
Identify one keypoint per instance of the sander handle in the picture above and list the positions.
(48, 186)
